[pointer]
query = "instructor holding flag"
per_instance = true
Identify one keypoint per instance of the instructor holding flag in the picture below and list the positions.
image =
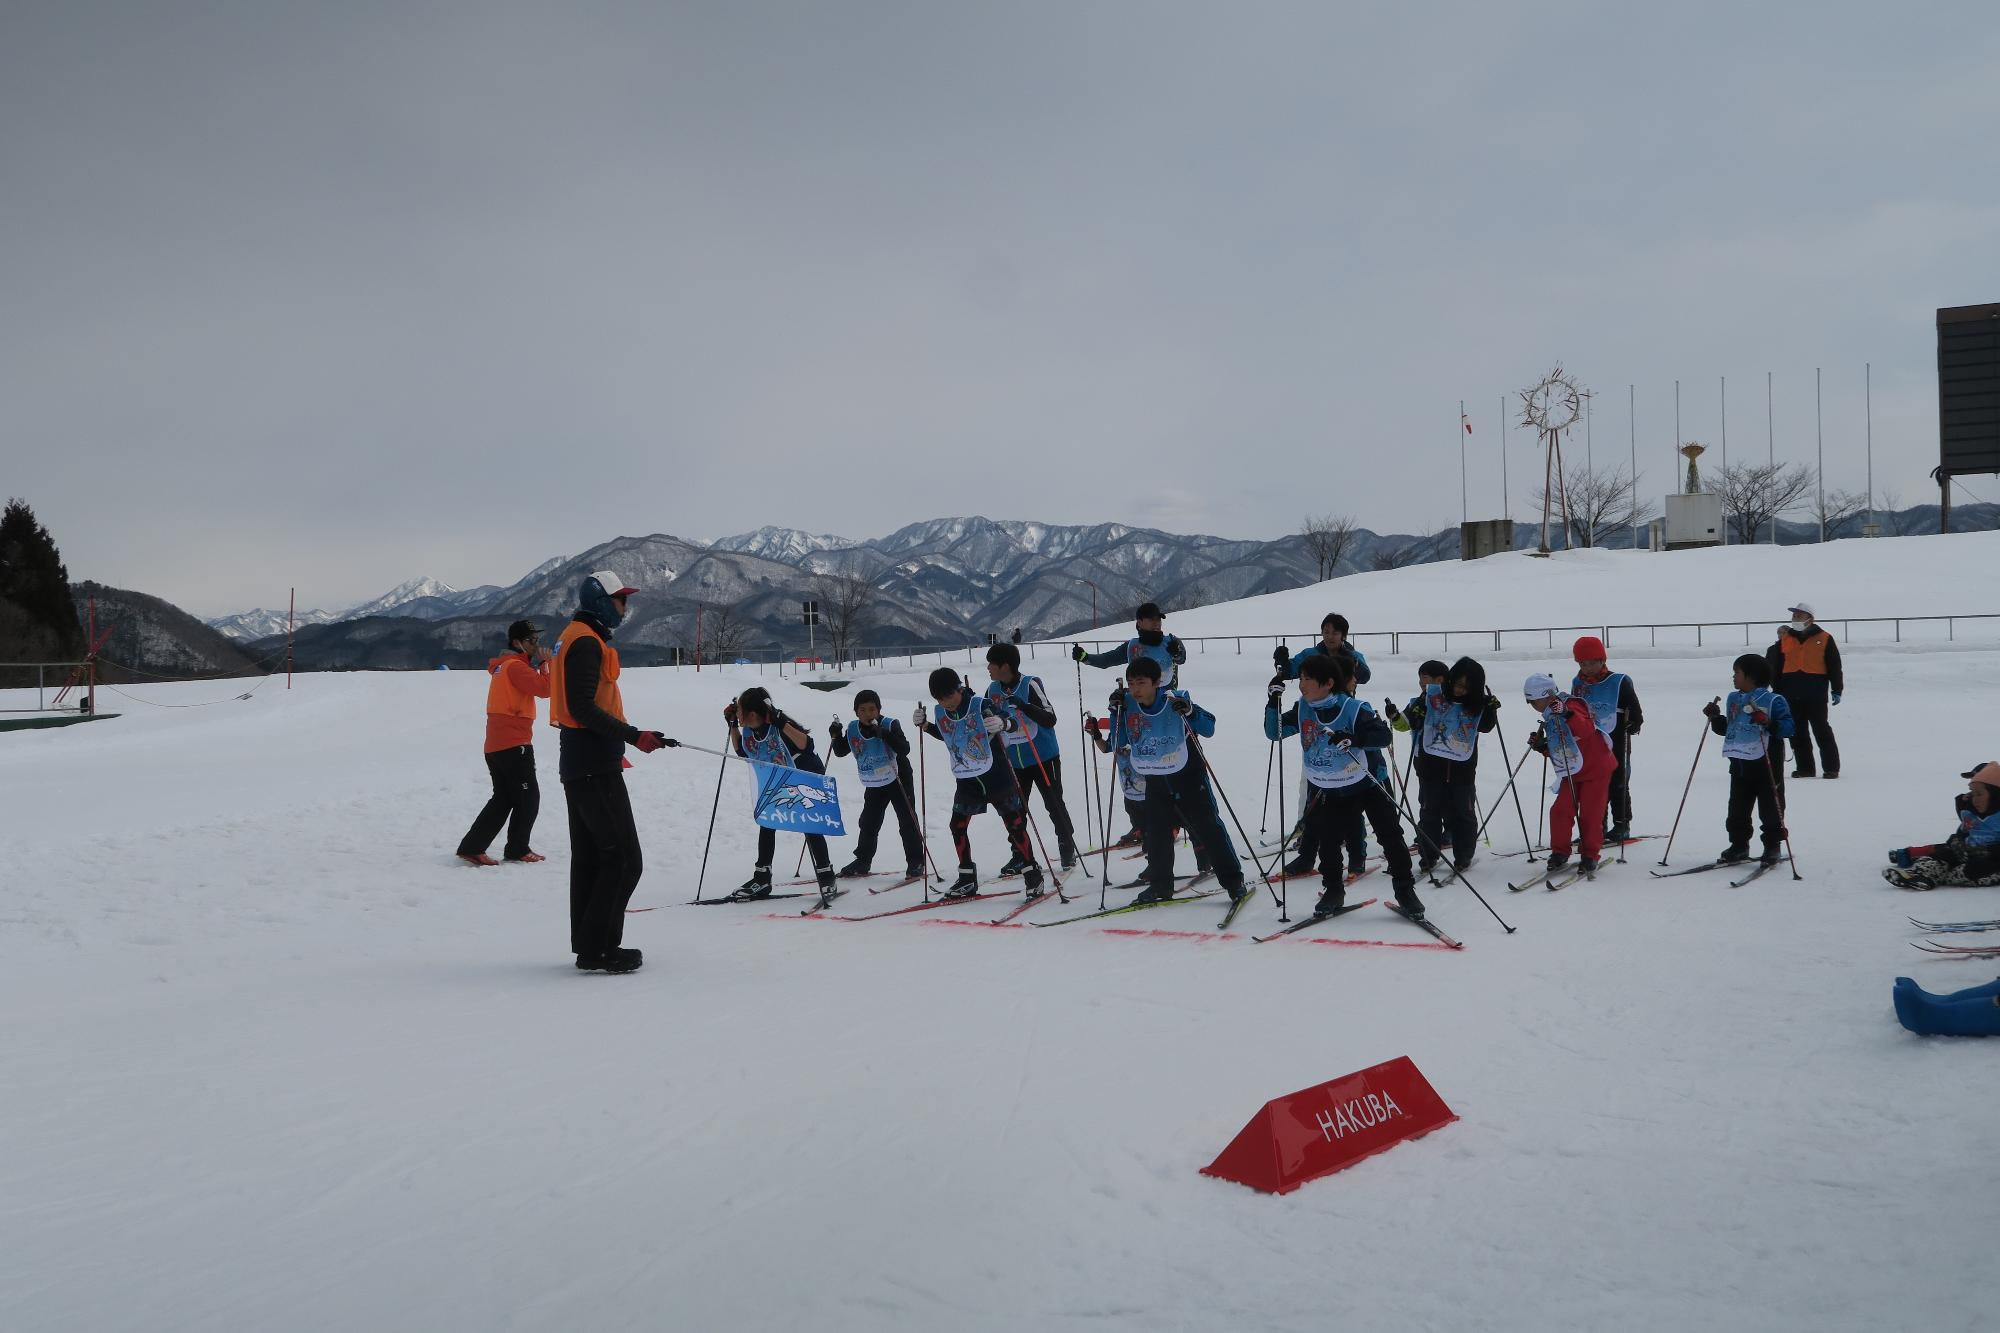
(589, 714)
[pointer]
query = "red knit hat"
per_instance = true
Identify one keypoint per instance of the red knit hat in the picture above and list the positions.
(1589, 648)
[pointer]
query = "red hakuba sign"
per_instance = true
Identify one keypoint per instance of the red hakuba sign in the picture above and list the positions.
(1323, 1129)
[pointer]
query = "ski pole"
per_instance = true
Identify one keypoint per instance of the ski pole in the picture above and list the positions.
(1250, 847)
(1047, 787)
(1264, 814)
(1778, 795)
(713, 807)
(1456, 873)
(903, 808)
(1542, 804)
(1512, 786)
(1114, 723)
(1705, 729)
(1624, 771)
(924, 798)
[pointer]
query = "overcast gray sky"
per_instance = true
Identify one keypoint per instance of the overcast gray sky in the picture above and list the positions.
(338, 294)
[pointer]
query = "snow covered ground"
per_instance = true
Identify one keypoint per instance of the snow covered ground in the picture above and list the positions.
(274, 1060)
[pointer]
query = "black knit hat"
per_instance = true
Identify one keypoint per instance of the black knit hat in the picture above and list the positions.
(523, 629)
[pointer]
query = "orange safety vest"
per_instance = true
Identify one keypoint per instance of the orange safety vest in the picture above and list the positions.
(510, 709)
(1805, 656)
(608, 697)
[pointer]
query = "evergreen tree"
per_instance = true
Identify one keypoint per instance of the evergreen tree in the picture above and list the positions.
(38, 618)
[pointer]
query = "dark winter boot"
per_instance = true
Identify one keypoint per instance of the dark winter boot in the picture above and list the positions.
(1588, 865)
(1066, 849)
(1804, 773)
(1015, 865)
(1734, 852)
(1406, 898)
(1831, 774)
(1557, 860)
(1235, 889)
(828, 886)
(914, 870)
(1131, 839)
(611, 960)
(757, 886)
(1031, 881)
(1618, 833)
(1330, 901)
(855, 869)
(1299, 865)
(1464, 863)
(1154, 895)
(965, 885)
(1773, 853)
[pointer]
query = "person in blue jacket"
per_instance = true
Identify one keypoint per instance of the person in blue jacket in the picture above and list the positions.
(1150, 640)
(1031, 746)
(1336, 731)
(1332, 643)
(968, 724)
(1155, 728)
(1971, 855)
(1447, 720)
(1754, 725)
(881, 751)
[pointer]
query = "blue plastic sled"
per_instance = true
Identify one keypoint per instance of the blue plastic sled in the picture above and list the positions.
(1966, 1013)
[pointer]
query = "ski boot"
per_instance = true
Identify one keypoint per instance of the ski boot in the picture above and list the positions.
(1031, 881)
(1734, 853)
(1618, 833)
(914, 870)
(611, 960)
(1330, 901)
(1556, 861)
(1131, 839)
(1464, 863)
(965, 885)
(757, 886)
(1154, 895)
(1066, 851)
(1772, 854)
(856, 869)
(1406, 898)
(1015, 865)
(1804, 773)
(1588, 865)
(1299, 865)
(1427, 866)
(1908, 879)
(1236, 889)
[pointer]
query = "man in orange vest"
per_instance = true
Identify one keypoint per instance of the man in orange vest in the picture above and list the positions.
(589, 713)
(1806, 663)
(518, 678)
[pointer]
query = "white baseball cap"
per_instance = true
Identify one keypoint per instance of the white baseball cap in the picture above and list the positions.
(1540, 687)
(613, 585)
(1802, 609)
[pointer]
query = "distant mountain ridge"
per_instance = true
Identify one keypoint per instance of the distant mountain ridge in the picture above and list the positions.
(945, 581)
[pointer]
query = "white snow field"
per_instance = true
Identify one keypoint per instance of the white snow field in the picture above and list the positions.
(274, 1060)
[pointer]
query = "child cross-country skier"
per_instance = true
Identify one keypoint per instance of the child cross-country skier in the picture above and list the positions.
(1753, 724)
(1971, 855)
(1336, 731)
(760, 731)
(1132, 788)
(1448, 718)
(1154, 728)
(1031, 745)
(1583, 764)
(881, 753)
(1151, 640)
(1333, 629)
(1615, 706)
(967, 723)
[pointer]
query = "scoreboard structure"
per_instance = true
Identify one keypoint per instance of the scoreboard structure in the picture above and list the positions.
(1968, 342)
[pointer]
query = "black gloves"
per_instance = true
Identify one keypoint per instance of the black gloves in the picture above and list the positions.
(1117, 697)
(833, 731)
(1712, 708)
(1181, 704)
(1274, 694)
(1281, 658)
(1076, 652)
(868, 729)
(1390, 711)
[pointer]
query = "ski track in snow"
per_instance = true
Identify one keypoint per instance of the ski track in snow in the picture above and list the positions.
(276, 1060)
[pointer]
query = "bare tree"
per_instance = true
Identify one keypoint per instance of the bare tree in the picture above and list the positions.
(1418, 550)
(724, 630)
(1754, 494)
(1328, 537)
(845, 603)
(1602, 504)
(1835, 510)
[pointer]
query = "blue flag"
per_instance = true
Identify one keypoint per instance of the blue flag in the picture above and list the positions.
(795, 801)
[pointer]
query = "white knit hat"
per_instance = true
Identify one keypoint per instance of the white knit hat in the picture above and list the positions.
(1540, 687)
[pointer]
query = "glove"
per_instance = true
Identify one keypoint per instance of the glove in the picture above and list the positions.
(1274, 695)
(782, 720)
(1076, 652)
(1835, 701)
(994, 722)
(1632, 729)
(649, 741)
(1712, 708)
(1182, 704)
(1117, 697)
(920, 717)
(1390, 711)
(729, 712)
(833, 731)
(1343, 740)
(868, 729)
(1281, 658)
(1493, 704)
(1537, 743)
(1090, 723)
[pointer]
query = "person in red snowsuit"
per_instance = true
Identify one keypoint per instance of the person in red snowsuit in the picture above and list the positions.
(1583, 764)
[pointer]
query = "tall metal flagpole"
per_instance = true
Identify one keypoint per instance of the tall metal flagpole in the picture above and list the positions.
(1506, 498)
(1819, 468)
(1632, 425)
(1464, 512)
(1677, 433)
(1868, 399)
(1770, 448)
(1725, 449)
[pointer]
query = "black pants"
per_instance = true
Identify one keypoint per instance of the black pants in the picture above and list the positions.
(1136, 812)
(1050, 786)
(1618, 804)
(875, 802)
(1309, 842)
(516, 800)
(995, 787)
(767, 847)
(1184, 800)
(1447, 813)
(1756, 782)
(1807, 696)
(604, 860)
(1340, 812)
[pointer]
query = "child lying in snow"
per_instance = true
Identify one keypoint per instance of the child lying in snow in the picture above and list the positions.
(1969, 856)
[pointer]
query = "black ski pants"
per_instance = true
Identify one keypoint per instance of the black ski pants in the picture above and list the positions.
(995, 787)
(604, 860)
(1619, 802)
(875, 803)
(1309, 842)
(1808, 696)
(1754, 782)
(767, 847)
(1341, 813)
(516, 800)
(1184, 800)
(1447, 815)
(1046, 778)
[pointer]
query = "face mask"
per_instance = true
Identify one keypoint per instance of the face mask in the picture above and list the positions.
(1800, 622)
(1151, 637)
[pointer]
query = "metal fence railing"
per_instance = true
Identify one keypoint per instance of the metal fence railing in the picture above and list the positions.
(1978, 627)
(57, 676)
